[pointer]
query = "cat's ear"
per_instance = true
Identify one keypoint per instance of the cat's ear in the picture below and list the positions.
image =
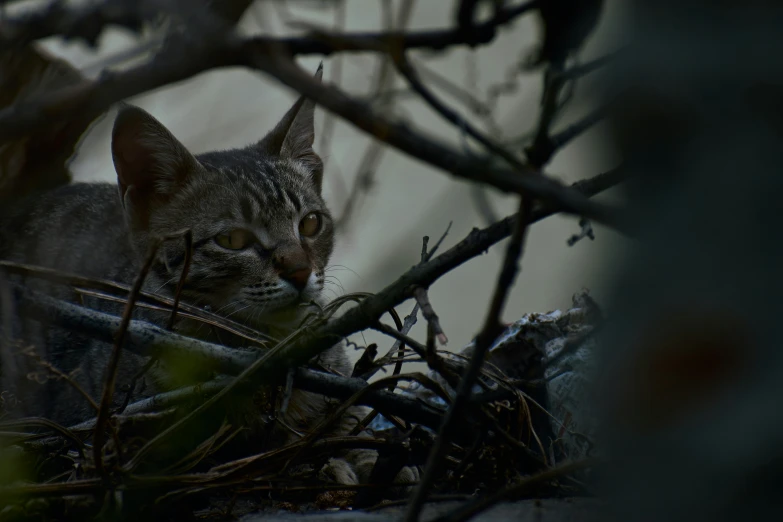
(151, 163)
(294, 135)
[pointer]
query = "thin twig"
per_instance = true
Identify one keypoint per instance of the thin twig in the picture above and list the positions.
(417, 347)
(373, 154)
(46, 423)
(584, 69)
(517, 180)
(409, 73)
(67, 378)
(188, 237)
(132, 385)
(408, 323)
(429, 314)
(562, 138)
(467, 512)
(430, 346)
(114, 360)
(538, 154)
(489, 332)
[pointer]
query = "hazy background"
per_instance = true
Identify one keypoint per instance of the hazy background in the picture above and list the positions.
(233, 107)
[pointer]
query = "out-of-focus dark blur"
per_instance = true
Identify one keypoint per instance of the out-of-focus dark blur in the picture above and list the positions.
(692, 374)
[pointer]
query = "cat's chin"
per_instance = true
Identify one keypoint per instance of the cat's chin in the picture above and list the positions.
(287, 317)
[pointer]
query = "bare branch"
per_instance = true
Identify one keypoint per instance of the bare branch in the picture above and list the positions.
(170, 66)
(427, 149)
(327, 43)
(85, 22)
(141, 338)
(152, 301)
(88, 22)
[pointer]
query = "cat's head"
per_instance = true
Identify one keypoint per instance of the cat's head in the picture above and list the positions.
(262, 234)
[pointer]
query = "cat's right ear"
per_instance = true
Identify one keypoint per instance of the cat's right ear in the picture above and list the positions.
(294, 135)
(151, 163)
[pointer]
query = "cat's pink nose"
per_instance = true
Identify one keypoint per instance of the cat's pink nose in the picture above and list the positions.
(298, 278)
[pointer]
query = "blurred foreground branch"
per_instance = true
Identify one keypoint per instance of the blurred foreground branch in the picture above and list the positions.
(172, 65)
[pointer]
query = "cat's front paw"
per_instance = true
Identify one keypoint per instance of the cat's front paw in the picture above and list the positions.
(341, 471)
(338, 471)
(407, 475)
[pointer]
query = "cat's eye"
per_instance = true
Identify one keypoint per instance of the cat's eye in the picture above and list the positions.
(237, 239)
(310, 225)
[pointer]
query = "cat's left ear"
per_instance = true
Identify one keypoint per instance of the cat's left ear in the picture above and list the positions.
(294, 135)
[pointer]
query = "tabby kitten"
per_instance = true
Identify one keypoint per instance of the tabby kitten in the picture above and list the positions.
(262, 236)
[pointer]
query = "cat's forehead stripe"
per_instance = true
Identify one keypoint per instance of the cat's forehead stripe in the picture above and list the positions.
(276, 187)
(294, 200)
(247, 208)
(261, 189)
(257, 198)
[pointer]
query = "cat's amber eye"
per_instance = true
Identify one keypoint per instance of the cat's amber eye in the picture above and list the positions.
(310, 225)
(237, 239)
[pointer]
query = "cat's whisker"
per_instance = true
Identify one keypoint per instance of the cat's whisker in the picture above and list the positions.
(333, 281)
(331, 268)
(334, 293)
(239, 310)
(226, 306)
(165, 284)
(257, 313)
(336, 282)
